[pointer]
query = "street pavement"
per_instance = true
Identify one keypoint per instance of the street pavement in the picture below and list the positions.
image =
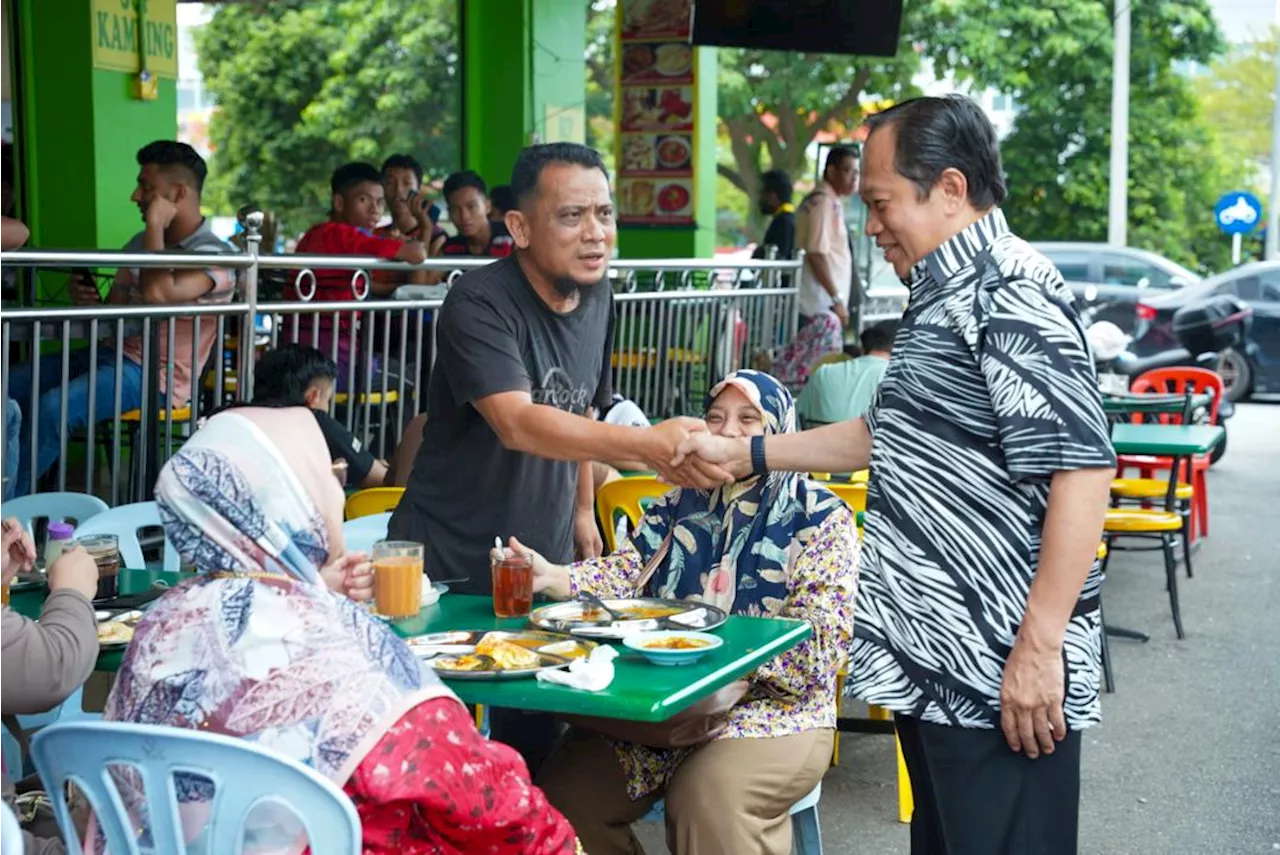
(1187, 760)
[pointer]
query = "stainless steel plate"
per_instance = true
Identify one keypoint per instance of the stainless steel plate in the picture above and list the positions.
(554, 650)
(642, 614)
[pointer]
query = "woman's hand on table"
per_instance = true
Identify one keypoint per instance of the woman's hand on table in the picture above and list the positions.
(19, 553)
(351, 575)
(550, 579)
(75, 569)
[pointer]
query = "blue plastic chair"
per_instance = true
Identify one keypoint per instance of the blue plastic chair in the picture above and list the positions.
(72, 709)
(74, 507)
(806, 836)
(10, 832)
(124, 522)
(362, 533)
(244, 776)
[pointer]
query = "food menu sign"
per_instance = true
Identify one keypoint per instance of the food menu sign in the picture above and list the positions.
(655, 146)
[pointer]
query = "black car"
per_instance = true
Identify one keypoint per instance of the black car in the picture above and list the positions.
(1254, 368)
(1108, 281)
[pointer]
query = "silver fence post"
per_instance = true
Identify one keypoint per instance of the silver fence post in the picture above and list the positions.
(252, 219)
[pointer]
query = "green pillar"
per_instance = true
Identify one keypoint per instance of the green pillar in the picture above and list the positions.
(523, 78)
(81, 122)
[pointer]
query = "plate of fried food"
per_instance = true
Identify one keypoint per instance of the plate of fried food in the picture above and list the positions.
(496, 654)
(115, 629)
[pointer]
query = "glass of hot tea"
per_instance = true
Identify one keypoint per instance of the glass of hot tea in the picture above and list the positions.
(397, 578)
(105, 550)
(512, 584)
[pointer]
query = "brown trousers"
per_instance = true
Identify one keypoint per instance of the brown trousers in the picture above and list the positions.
(731, 796)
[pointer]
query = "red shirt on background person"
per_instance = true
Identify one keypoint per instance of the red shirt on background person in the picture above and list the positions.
(358, 201)
(467, 196)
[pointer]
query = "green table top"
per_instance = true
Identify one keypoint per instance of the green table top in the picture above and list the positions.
(1172, 440)
(640, 691)
(1153, 403)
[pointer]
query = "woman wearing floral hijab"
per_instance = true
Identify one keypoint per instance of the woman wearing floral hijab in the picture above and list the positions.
(257, 646)
(777, 546)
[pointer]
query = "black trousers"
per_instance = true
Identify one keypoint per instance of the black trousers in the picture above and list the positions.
(531, 734)
(974, 796)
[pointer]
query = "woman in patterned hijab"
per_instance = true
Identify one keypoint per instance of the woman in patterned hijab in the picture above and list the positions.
(258, 646)
(773, 546)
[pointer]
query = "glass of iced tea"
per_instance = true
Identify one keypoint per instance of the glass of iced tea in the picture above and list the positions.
(397, 578)
(105, 551)
(512, 584)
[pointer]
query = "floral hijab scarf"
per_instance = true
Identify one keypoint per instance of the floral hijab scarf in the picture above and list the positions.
(256, 646)
(733, 547)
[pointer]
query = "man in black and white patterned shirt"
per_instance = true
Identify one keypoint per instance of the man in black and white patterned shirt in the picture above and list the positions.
(977, 617)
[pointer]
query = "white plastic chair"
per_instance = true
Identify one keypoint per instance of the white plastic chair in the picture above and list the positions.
(124, 522)
(10, 832)
(362, 533)
(244, 776)
(75, 507)
(806, 835)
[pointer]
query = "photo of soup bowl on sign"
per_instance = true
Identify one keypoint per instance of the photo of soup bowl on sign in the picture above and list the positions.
(673, 60)
(674, 198)
(674, 152)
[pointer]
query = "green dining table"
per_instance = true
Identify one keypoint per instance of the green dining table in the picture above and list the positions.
(640, 691)
(1166, 440)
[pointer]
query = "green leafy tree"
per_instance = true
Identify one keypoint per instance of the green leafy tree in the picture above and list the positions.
(305, 85)
(1054, 57)
(1237, 97)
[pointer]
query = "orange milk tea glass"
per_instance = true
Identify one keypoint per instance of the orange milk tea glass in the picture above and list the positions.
(397, 578)
(512, 585)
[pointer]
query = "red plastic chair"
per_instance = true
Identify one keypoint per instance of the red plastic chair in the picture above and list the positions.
(1179, 381)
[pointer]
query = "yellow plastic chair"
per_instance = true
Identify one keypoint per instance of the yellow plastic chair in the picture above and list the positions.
(1164, 526)
(374, 500)
(906, 802)
(372, 398)
(862, 476)
(625, 496)
(854, 495)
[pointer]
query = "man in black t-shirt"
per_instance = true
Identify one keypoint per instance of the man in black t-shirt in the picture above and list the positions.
(523, 349)
(776, 191)
(294, 375)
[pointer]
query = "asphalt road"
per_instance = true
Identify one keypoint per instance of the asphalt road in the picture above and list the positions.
(1187, 760)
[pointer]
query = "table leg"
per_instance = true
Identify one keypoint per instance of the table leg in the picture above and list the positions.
(1121, 632)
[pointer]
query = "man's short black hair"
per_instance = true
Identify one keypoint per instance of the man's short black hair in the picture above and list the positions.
(502, 198)
(778, 183)
(349, 175)
(283, 375)
(950, 132)
(176, 159)
(402, 161)
(535, 158)
(879, 336)
(837, 155)
(465, 178)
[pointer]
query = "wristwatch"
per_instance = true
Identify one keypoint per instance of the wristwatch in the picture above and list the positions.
(757, 456)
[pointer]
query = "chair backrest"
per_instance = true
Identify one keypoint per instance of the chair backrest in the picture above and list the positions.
(124, 521)
(625, 496)
(374, 500)
(243, 774)
(359, 535)
(72, 507)
(1180, 380)
(10, 832)
(854, 495)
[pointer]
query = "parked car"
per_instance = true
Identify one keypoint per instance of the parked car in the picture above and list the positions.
(1109, 280)
(1253, 368)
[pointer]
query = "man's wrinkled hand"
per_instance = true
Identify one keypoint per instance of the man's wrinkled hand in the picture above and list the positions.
(19, 552)
(708, 453)
(669, 436)
(1031, 697)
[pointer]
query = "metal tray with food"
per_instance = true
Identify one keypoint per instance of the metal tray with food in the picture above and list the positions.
(497, 654)
(618, 618)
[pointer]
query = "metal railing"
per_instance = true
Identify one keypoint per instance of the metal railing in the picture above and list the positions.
(679, 326)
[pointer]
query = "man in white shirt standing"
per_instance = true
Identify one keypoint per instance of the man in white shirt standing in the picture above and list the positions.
(827, 278)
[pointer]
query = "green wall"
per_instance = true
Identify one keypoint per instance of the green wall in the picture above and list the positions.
(79, 129)
(518, 57)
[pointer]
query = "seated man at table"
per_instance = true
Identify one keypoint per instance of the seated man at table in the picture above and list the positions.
(294, 375)
(775, 546)
(843, 390)
(470, 210)
(168, 196)
(45, 661)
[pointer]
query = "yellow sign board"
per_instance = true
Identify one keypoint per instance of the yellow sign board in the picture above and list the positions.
(122, 29)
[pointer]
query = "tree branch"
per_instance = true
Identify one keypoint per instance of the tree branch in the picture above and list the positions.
(734, 177)
(848, 100)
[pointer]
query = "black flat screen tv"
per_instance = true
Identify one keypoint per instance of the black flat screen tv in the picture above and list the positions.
(865, 27)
